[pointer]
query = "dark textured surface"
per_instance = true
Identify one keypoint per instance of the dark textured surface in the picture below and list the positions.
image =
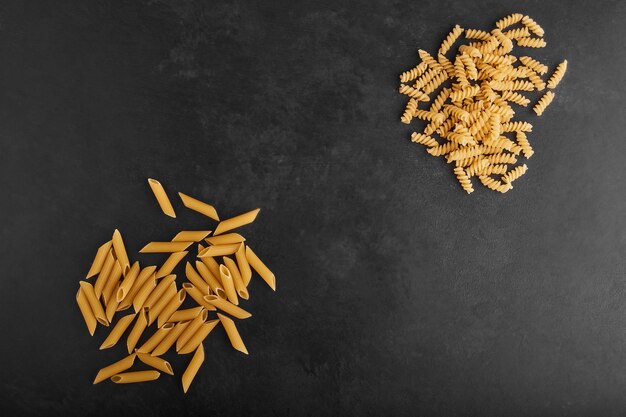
(397, 293)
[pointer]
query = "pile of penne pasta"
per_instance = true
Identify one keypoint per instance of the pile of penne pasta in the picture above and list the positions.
(216, 281)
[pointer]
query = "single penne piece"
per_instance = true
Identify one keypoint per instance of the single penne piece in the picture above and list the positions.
(225, 239)
(137, 330)
(193, 367)
(135, 376)
(159, 291)
(85, 310)
(120, 251)
(128, 281)
(214, 284)
(235, 222)
(186, 314)
(229, 287)
(144, 292)
(139, 281)
(212, 264)
(155, 362)
(219, 250)
(98, 261)
(233, 334)
(240, 287)
(110, 289)
(161, 197)
(159, 305)
(114, 368)
(118, 330)
(171, 262)
(197, 296)
(242, 263)
(173, 305)
(165, 247)
(191, 235)
(112, 307)
(104, 273)
(191, 329)
(94, 303)
(169, 340)
(198, 337)
(261, 268)
(196, 279)
(156, 338)
(199, 206)
(227, 307)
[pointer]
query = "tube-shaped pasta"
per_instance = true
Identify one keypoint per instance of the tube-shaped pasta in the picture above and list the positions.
(104, 273)
(139, 281)
(161, 197)
(229, 286)
(233, 334)
(114, 368)
(173, 305)
(219, 250)
(94, 303)
(165, 247)
(186, 314)
(198, 337)
(170, 339)
(196, 279)
(242, 263)
(137, 330)
(120, 251)
(128, 281)
(118, 330)
(226, 239)
(240, 287)
(159, 291)
(157, 363)
(191, 235)
(135, 376)
(110, 289)
(191, 329)
(148, 288)
(214, 284)
(212, 264)
(112, 306)
(85, 310)
(98, 261)
(261, 268)
(156, 338)
(159, 305)
(199, 206)
(193, 367)
(227, 307)
(171, 262)
(235, 222)
(197, 296)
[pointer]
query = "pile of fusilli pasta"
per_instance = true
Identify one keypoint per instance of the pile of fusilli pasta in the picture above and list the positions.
(470, 120)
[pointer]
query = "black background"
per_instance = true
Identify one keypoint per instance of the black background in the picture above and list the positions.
(398, 294)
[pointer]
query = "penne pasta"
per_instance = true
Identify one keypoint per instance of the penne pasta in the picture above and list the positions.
(128, 281)
(159, 305)
(141, 279)
(112, 307)
(120, 251)
(98, 261)
(165, 247)
(191, 329)
(186, 314)
(219, 250)
(171, 262)
(94, 303)
(85, 310)
(229, 286)
(261, 268)
(156, 338)
(197, 205)
(169, 340)
(155, 362)
(196, 279)
(137, 330)
(146, 290)
(118, 330)
(198, 337)
(191, 235)
(225, 239)
(227, 307)
(110, 288)
(114, 368)
(240, 287)
(197, 296)
(242, 263)
(161, 197)
(192, 368)
(104, 273)
(233, 334)
(235, 222)
(212, 264)
(173, 305)
(159, 291)
(214, 284)
(135, 376)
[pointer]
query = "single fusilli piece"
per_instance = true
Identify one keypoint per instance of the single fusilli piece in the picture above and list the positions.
(557, 75)
(543, 102)
(514, 174)
(517, 33)
(477, 34)
(441, 150)
(424, 139)
(494, 184)
(532, 26)
(515, 97)
(413, 73)
(412, 92)
(534, 64)
(409, 111)
(532, 42)
(435, 82)
(450, 39)
(516, 127)
(464, 180)
(522, 140)
(509, 20)
(429, 60)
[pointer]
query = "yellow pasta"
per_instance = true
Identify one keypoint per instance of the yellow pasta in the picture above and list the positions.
(532, 42)
(156, 338)
(408, 112)
(158, 292)
(233, 334)
(141, 279)
(171, 262)
(197, 296)
(161, 197)
(557, 75)
(140, 325)
(514, 174)
(197, 338)
(134, 377)
(155, 362)
(190, 330)
(159, 305)
(543, 103)
(229, 287)
(117, 331)
(128, 281)
(227, 307)
(173, 305)
(261, 268)
(98, 262)
(191, 235)
(199, 206)
(111, 307)
(114, 368)
(185, 315)
(165, 247)
(532, 26)
(235, 222)
(219, 250)
(110, 289)
(464, 180)
(509, 20)
(242, 264)
(169, 340)
(494, 184)
(120, 251)
(193, 367)
(194, 277)
(96, 307)
(104, 273)
(213, 266)
(413, 93)
(534, 64)
(413, 73)
(450, 39)
(144, 292)
(85, 310)
(527, 150)
(214, 284)
(240, 287)
(424, 139)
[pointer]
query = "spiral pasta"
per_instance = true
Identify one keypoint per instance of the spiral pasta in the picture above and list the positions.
(413, 73)
(557, 75)
(464, 180)
(532, 26)
(523, 143)
(543, 102)
(509, 20)
(411, 107)
(424, 139)
(450, 39)
(514, 174)
(533, 64)
(494, 184)
(532, 42)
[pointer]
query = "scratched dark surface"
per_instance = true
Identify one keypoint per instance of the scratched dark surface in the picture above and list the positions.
(398, 294)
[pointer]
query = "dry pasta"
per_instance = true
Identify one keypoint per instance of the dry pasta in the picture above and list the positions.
(128, 281)
(235, 222)
(214, 284)
(120, 251)
(118, 330)
(557, 75)
(233, 334)
(173, 305)
(156, 362)
(198, 337)
(199, 206)
(98, 261)
(170, 263)
(104, 273)
(165, 247)
(137, 331)
(193, 367)
(85, 310)
(226, 239)
(141, 279)
(229, 286)
(219, 250)
(543, 103)
(191, 235)
(161, 197)
(227, 307)
(115, 368)
(136, 376)
(155, 310)
(185, 315)
(169, 340)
